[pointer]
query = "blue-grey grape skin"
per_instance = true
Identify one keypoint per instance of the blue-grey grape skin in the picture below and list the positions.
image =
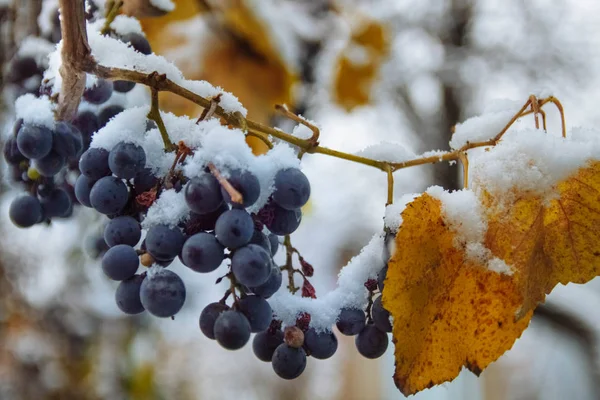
(56, 203)
(120, 262)
(122, 230)
(321, 345)
(251, 265)
(284, 221)
(163, 293)
(12, 154)
(381, 278)
(34, 141)
(247, 184)
(202, 252)
(232, 330)
(109, 195)
(261, 239)
(99, 93)
(94, 163)
(127, 295)
(258, 312)
(107, 113)
(25, 211)
(234, 228)
(126, 160)
(274, 240)
(271, 286)
(50, 164)
(67, 140)
(371, 342)
(163, 242)
(83, 187)
(209, 316)
(265, 343)
(288, 362)
(292, 189)
(351, 321)
(381, 317)
(203, 194)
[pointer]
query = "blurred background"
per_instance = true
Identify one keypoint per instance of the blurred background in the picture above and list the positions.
(367, 72)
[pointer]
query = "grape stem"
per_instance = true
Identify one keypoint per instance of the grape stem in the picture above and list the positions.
(114, 6)
(235, 195)
(154, 115)
(289, 267)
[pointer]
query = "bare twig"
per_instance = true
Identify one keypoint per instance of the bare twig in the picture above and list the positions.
(236, 196)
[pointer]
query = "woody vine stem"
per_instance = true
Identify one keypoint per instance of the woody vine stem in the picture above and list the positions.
(77, 60)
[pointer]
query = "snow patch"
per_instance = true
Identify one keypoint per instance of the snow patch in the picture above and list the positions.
(393, 212)
(34, 110)
(388, 151)
(165, 5)
(169, 209)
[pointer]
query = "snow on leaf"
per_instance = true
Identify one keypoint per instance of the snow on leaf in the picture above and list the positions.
(448, 311)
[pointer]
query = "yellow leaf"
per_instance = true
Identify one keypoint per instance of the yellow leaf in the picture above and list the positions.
(448, 312)
(359, 64)
(549, 242)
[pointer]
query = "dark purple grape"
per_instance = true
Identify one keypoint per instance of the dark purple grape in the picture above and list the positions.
(109, 195)
(203, 194)
(50, 164)
(232, 330)
(94, 163)
(258, 312)
(127, 295)
(284, 221)
(25, 211)
(107, 113)
(209, 315)
(246, 183)
(202, 252)
(34, 141)
(67, 140)
(321, 345)
(292, 189)
(83, 186)
(122, 230)
(56, 204)
(351, 321)
(289, 362)
(271, 286)
(371, 342)
(265, 343)
(274, 240)
(234, 228)
(123, 86)
(204, 222)
(12, 155)
(87, 123)
(381, 278)
(261, 239)
(99, 93)
(251, 265)
(22, 68)
(120, 262)
(381, 317)
(164, 243)
(126, 160)
(144, 181)
(163, 293)
(138, 42)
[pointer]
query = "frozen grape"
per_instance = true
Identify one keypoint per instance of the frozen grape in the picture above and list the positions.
(351, 321)
(126, 160)
(321, 345)
(57, 203)
(22, 68)
(203, 194)
(164, 243)
(232, 330)
(83, 187)
(138, 42)
(288, 362)
(246, 183)
(209, 315)
(50, 164)
(120, 262)
(122, 230)
(202, 252)
(292, 189)
(371, 342)
(127, 295)
(109, 195)
(204, 222)
(381, 317)
(25, 211)
(99, 93)
(12, 154)
(251, 265)
(261, 239)
(258, 312)
(67, 140)
(274, 240)
(87, 123)
(265, 343)
(144, 180)
(284, 221)
(123, 86)
(163, 293)
(271, 286)
(234, 228)
(94, 163)
(34, 141)
(381, 278)
(107, 113)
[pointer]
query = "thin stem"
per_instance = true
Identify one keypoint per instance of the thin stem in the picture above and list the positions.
(154, 115)
(465, 163)
(236, 196)
(390, 186)
(113, 11)
(314, 139)
(289, 252)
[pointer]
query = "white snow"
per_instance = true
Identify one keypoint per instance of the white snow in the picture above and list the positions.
(350, 290)
(38, 111)
(169, 209)
(165, 5)
(499, 266)
(393, 212)
(485, 126)
(36, 47)
(122, 25)
(302, 131)
(388, 151)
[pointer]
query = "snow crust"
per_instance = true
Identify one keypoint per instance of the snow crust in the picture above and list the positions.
(165, 5)
(37, 111)
(350, 290)
(36, 47)
(123, 25)
(393, 212)
(388, 151)
(169, 209)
